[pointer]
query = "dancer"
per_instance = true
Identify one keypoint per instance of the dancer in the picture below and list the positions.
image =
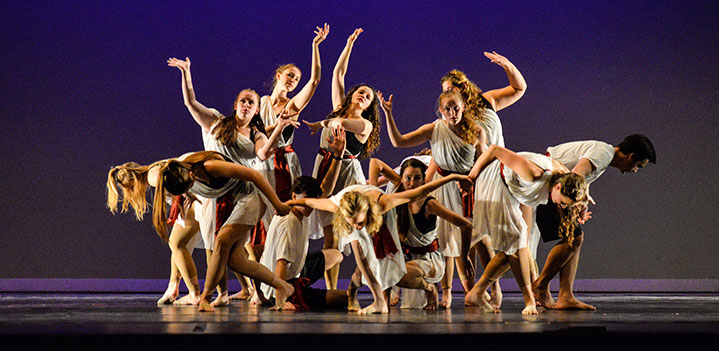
(357, 113)
(240, 137)
(417, 228)
(529, 180)
(484, 106)
(132, 179)
(358, 220)
(288, 236)
(211, 175)
(454, 139)
(588, 159)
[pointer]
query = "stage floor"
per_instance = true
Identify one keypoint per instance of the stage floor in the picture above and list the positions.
(40, 317)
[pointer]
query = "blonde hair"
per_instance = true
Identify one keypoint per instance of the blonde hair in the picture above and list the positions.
(574, 187)
(352, 204)
(468, 127)
(132, 178)
(281, 69)
(471, 94)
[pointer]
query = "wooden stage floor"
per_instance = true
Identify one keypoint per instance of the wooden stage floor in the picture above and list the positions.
(73, 319)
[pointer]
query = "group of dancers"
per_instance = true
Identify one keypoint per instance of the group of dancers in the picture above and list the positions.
(465, 199)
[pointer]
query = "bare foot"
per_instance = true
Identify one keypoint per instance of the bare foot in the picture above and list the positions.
(287, 306)
(543, 297)
(188, 300)
(170, 294)
(394, 297)
(477, 298)
(221, 300)
(432, 298)
(530, 309)
(467, 285)
(353, 304)
(259, 300)
(446, 298)
(376, 307)
(573, 304)
(205, 306)
(495, 299)
(282, 292)
(243, 294)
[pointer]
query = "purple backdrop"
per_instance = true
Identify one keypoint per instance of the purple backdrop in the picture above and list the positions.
(85, 86)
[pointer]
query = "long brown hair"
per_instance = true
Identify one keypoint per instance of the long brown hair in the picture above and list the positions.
(468, 127)
(226, 129)
(132, 179)
(403, 211)
(174, 177)
(351, 204)
(371, 113)
(574, 187)
(471, 94)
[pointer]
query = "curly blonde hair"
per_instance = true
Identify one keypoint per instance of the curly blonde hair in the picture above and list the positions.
(471, 94)
(574, 187)
(351, 204)
(469, 129)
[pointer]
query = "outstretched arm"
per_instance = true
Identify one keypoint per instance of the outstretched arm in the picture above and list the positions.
(318, 204)
(265, 146)
(526, 169)
(217, 168)
(361, 127)
(501, 98)
(390, 201)
(202, 115)
(300, 101)
(338, 75)
(377, 167)
(414, 138)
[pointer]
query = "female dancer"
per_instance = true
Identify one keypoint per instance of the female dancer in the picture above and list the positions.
(358, 220)
(417, 228)
(454, 140)
(211, 175)
(357, 113)
(484, 106)
(240, 137)
(283, 165)
(132, 179)
(528, 179)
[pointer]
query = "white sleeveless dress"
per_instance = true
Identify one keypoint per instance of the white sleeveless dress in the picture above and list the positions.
(450, 153)
(388, 270)
(267, 113)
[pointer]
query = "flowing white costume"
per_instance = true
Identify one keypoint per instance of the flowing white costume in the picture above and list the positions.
(453, 154)
(388, 270)
(350, 173)
(267, 113)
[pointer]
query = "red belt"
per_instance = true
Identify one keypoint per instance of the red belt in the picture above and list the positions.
(326, 162)
(175, 209)
(259, 234)
(421, 250)
(383, 243)
(283, 180)
(467, 199)
(223, 210)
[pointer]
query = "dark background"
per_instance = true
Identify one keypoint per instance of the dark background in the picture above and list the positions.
(85, 86)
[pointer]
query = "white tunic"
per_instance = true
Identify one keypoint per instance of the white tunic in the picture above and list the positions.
(488, 188)
(267, 113)
(600, 154)
(350, 173)
(450, 153)
(286, 239)
(500, 216)
(388, 270)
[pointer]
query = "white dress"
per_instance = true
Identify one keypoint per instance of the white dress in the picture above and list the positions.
(450, 153)
(388, 270)
(267, 113)
(350, 173)
(286, 239)
(502, 218)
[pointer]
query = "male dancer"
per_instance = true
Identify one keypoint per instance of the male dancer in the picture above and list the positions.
(589, 159)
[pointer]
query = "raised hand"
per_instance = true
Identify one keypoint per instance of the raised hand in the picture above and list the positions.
(321, 34)
(385, 104)
(354, 35)
(314, 126)
(285, 122)
(497, 58)
(337, 142)
(181, 65)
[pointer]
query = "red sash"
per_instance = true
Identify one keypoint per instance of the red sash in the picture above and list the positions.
(259, 234)
(297, 297)
(283, 180)
(224, 209)
(326, 162)
(175, 209)
(421, 250)
(383, 243)
(467, 199)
